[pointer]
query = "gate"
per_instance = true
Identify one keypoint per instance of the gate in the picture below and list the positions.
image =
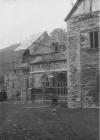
(56, 84)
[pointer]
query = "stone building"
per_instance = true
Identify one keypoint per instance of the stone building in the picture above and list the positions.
(6, 63)
(17, 80)
(41, 71)
(68, 69)
(13, 77)
(83, 52)
(48, 73)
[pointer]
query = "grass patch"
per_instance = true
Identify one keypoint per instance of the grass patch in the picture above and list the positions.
(19, 123)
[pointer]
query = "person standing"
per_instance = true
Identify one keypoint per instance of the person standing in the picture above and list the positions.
(54, 102)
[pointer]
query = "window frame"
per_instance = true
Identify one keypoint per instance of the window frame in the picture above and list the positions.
(94, 43)
(88, 31)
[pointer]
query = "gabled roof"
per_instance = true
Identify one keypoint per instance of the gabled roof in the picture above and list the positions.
(28, 43)
(23, 46)
(72, 10)
(41, 46)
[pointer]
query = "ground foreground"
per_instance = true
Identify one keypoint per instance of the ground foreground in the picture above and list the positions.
(31, 122)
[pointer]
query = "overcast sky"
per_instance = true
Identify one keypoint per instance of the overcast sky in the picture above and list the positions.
(21, 18)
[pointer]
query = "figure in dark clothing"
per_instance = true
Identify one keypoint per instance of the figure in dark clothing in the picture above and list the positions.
(18, 95)
(54, 101)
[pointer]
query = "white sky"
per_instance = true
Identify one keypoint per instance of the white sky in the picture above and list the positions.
(21, 18)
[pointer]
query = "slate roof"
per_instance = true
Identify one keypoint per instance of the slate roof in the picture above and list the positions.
(28, 43)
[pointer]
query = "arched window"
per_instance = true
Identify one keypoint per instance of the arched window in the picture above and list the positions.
(60, 83)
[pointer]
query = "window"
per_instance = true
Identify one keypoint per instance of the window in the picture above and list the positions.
(63, 47)
(56, 48)
(59, 47)
(94, 39)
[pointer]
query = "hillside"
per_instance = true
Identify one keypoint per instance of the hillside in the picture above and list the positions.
(6, 53)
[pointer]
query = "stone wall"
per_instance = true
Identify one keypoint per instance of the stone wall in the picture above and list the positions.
(37, 80)
(89, 72)
(83, 62)
(74, 71)
(83, 22)
(17, 83)
(12, 84)
(58, 65)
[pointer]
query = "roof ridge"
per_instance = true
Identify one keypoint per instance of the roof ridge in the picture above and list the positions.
(72, 9)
